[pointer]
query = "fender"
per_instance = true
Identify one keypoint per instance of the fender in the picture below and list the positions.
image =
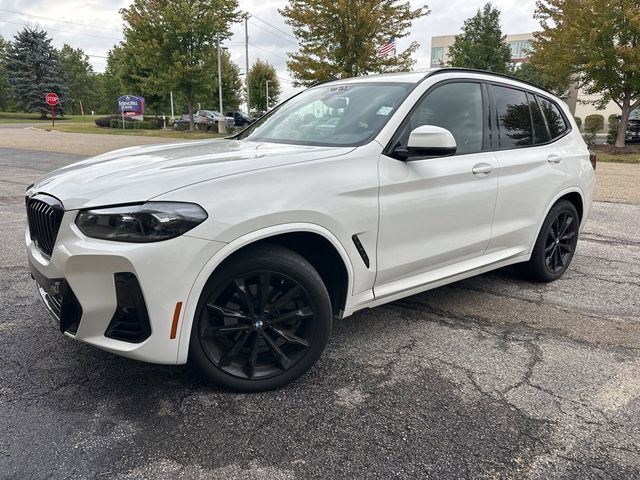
(562, 193)
(194, 293)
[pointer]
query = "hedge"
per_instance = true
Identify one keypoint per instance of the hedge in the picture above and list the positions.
(136, 125)
(578, 121)
(593, 123)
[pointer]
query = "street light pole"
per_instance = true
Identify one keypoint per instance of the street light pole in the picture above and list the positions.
(219, 73)
(267, 84)
(222, 126)
(246, 60)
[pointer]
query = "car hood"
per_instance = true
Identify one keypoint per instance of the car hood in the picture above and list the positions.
(140, 173)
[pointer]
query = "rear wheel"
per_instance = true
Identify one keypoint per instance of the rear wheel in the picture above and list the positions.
(556, 244)
(262, 320)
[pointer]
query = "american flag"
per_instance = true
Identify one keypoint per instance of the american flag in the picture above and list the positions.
(387, 48)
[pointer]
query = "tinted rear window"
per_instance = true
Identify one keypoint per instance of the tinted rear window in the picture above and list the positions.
(540, 132)
(514, 117)
(555, 120)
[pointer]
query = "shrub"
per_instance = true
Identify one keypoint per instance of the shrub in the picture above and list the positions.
(614, 122)
(593, 123)
(578, 121)
(589, 138)
(103, 121)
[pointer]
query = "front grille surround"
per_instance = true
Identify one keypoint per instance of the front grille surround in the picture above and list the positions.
(44, 214)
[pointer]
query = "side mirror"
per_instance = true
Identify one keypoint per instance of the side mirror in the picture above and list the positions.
(428, 141)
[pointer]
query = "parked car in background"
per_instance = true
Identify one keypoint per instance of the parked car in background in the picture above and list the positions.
(202, 119)
(212, 116)
(241, 118)
(633, 130)
(239, 254)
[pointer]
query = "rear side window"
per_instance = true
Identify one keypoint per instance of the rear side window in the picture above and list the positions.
(540, 132)
(557, 124)
(514, 117)
(456, 107)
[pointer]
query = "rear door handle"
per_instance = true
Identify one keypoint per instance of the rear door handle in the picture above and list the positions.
(482, 169)
(555, 159)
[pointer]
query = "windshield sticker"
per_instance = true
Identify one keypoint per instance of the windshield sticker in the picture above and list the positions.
(384, 111)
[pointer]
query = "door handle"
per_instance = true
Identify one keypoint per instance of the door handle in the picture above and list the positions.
(482, 169)
(555, 159)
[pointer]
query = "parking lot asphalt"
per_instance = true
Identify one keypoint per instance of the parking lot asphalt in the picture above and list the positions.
(491, 377)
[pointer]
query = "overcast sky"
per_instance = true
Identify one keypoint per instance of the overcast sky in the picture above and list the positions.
(95, 26)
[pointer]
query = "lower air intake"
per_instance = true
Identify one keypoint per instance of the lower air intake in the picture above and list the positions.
(130, 322)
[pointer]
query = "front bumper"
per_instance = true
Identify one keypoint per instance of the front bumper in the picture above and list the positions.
(78, 286)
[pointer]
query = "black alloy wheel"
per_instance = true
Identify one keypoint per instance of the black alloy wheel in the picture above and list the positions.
(560, 243)
(262, 321)
(556, 243)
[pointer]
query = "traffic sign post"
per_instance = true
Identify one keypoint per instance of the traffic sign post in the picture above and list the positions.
(52, 100)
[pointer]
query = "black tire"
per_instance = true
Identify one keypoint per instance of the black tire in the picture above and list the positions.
(270, 339)
(555, 245)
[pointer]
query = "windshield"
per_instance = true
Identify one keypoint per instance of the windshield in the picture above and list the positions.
(332, 115)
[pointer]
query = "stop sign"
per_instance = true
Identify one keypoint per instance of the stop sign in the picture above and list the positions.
(52, 99)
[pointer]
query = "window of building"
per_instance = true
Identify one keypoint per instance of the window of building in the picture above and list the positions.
(456, 107)
(514, 117)
(520, 48)
(437, 55)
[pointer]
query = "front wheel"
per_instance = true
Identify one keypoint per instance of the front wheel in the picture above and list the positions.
(556, 244)
(263, 320)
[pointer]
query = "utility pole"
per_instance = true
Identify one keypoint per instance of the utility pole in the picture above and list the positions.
(172, 115)
(222, 126)
(219, 74)
(267, 84)
(246, 60)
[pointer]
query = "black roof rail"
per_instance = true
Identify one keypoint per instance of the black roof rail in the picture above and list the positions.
(486, 72)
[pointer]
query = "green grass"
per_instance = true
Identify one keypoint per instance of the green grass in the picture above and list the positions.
(623, 158)
(93, 128)
(17, 117)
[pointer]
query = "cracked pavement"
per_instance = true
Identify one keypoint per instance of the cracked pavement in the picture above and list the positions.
(491, 377)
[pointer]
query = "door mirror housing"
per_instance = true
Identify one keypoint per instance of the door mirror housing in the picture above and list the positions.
(428, 141)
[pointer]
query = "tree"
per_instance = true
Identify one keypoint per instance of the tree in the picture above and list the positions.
(174, 42)
(340, 39)
(259, 73)
(531, 72)
(34, 71)
(597, 44)
(5, 86)
(481, 44)
(79, 77)
(231, 84)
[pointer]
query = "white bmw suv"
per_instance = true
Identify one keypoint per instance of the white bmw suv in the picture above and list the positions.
(238, 254)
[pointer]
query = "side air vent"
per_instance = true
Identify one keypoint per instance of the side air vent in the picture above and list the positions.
(361, 250)
(130, 323)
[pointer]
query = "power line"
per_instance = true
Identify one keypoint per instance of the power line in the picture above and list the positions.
(272, 33)
(64, 31)
(60, 21)
(269, 52)
(275, 28)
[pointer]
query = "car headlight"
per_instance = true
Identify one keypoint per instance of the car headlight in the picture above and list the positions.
(147, 222)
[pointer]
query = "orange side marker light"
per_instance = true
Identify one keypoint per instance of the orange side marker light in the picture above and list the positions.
(176, 316)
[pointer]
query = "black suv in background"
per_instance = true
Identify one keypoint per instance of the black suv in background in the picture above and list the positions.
(241, 119)
(633, 130)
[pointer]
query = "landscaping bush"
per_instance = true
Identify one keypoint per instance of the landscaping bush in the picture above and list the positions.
(589, 138)
(106, 121)
(614, 122)
(593, 123)
(578, 122)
